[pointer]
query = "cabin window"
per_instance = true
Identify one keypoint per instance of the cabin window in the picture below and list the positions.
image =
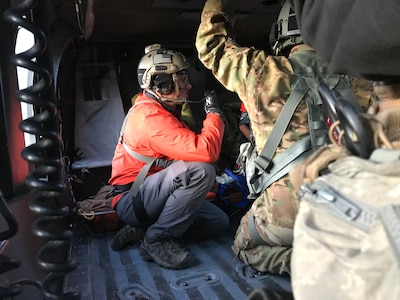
(25, 40)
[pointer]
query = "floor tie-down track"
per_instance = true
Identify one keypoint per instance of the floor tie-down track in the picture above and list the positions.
(217, 274)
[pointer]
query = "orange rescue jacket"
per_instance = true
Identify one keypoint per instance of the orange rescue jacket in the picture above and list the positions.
(153, 131)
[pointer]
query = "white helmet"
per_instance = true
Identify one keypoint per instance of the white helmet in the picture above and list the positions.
(157, 66)
(285, 31)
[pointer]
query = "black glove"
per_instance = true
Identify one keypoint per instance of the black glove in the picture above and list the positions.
(211, 103)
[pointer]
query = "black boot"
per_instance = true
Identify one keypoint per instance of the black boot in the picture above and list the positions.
(166, 253)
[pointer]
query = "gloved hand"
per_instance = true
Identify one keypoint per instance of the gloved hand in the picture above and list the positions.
(211, 103)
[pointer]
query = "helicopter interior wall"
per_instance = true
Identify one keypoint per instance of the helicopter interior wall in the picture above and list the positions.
(13, 167)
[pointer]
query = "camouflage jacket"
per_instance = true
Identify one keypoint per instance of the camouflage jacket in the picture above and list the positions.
(261, 81)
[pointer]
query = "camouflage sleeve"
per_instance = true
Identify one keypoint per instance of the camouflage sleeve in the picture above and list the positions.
(237, 68)
(364, 92)
(229, 63)
(261, 81)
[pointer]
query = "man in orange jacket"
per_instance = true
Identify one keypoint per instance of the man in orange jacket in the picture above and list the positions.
(167, 200)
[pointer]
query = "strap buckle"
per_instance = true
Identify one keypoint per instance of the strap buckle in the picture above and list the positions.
(262, 163)
(162, 163)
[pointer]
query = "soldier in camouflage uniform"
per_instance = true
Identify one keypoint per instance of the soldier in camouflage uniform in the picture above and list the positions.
(263, 83)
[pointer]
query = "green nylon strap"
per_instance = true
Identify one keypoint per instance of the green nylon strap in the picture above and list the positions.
(282, 164)
(264, 159)
(253, 231)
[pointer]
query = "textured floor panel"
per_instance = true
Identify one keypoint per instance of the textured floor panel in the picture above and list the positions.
(107, 274)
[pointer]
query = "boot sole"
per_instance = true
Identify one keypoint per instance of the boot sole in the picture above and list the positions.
(144, 254)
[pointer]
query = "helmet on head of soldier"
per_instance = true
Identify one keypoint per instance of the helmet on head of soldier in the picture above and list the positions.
(285, 32)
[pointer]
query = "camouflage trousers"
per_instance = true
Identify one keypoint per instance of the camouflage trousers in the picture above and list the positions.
(264, 237)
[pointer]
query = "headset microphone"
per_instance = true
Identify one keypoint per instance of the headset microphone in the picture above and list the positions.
(185, 100)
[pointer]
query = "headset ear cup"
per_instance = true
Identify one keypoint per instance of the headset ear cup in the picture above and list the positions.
(165, 88)
(164, 83)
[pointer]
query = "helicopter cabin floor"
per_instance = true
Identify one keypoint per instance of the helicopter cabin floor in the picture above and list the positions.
(106, 274)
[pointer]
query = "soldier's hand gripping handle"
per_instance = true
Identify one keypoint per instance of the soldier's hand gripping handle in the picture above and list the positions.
(211, 103)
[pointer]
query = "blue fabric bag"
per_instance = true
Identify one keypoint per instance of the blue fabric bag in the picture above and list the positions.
(234, 193)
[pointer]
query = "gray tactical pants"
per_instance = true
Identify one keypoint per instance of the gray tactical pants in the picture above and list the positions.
(175, 199)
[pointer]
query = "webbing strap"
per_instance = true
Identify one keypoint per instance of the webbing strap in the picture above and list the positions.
(253, 231)
(138, 156)
(158, 162)
(147, 159)
(282, 164)
(129, 111)
(143, 171)
(138, 207)
(251, 222)
(312, 84)
(265, 157)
